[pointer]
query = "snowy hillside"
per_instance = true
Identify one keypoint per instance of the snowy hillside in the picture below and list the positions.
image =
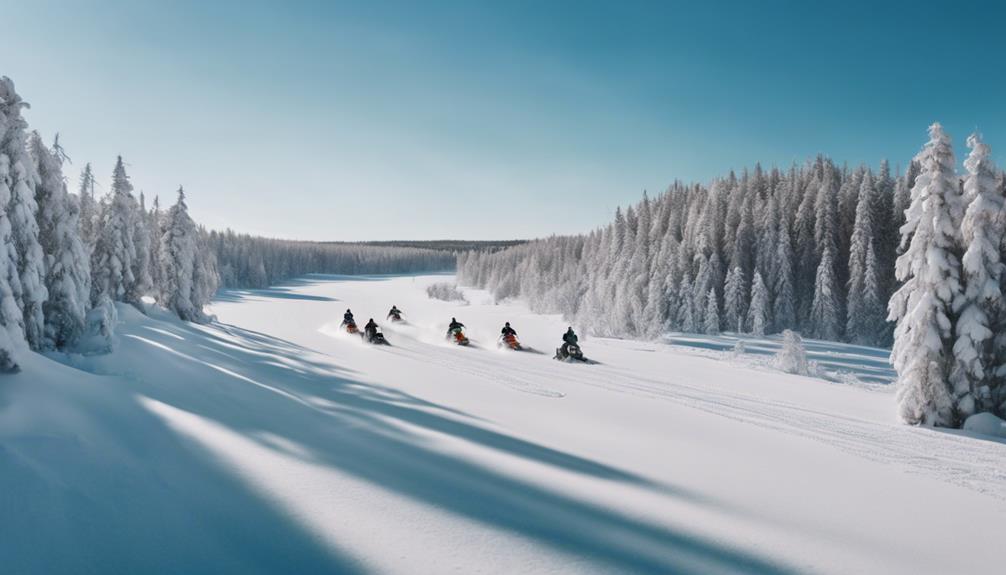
(271, 442)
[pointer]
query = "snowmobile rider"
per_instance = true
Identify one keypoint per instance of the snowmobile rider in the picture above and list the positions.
(454, 326)
(347, 318)
(370, 329)
(507, 330)
(569, 338)
(394, 312)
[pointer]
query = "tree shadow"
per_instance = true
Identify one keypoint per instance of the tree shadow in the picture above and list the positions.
(259, 386)
(117, 491)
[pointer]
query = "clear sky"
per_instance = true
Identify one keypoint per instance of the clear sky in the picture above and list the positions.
(422, 120)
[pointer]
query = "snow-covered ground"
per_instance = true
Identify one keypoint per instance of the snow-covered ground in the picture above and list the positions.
(270, 442)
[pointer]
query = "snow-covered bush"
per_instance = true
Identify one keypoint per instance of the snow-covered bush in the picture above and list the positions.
(446, 292)
(792, 356)
(739, 348)
(99, 335)
(985, 424)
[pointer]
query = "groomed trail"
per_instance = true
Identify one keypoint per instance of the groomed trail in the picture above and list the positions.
(272, 442)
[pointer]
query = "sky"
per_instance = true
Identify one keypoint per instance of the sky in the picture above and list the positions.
(497, 120)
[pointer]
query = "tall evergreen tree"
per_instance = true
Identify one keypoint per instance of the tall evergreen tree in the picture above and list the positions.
(112, 261)
(758, 314)
(735, 300)
(980, 309)
(20, 179)
(67, 265)
(930, 274)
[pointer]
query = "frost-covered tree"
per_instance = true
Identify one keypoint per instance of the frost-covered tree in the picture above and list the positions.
(735, 300)
(88, 208)
(825, 310)
(784, 304)
(980, 308)
(112, 261)
(142, 281)
(19, 177)
(758, 312)
(12, 341)
(67, 265)
(864, 317)
(930, 274)
(189, 276)
(712, 315)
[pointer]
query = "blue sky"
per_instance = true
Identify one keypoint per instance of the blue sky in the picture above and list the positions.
(421, 120)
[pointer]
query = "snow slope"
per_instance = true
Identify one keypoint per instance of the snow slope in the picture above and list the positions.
(270, 442)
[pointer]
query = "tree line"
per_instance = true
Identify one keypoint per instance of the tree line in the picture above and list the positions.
(67, 258)
(819, 249)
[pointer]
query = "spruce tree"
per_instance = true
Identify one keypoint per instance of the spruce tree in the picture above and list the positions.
(930, 274)
(980, 309)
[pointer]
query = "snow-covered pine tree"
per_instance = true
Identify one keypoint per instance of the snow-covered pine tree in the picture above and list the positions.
(980, 309)
(12, 342)
(20, 178)
(825, 311)
(142, 240)
(784, 306)
(67, 265)
(180, 263)
(758, 312)
(155, 230)
(112, 261)
(861, 323)
(735, 300)
(930, 274)
(88, 208)
(711, 324)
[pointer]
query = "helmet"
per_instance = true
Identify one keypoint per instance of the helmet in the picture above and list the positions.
(508, 324)
(347, 311)
(453, 319)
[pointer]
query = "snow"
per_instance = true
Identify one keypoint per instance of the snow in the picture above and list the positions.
(986, 424)
(268, 442)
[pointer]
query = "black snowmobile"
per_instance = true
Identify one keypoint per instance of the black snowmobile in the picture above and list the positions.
(570, 349)
(569, 352)
(372, 334)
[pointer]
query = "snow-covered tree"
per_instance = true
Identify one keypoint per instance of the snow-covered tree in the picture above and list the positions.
(864, 318)
(88, 208)
(735, 300)
(759, 310)
(980, 309)
(12, 341)
(142, 281)
(188, 275)
(930, 274)
(712, 315)
(825, 310)
(19, 176)
(67, 265)
(112, 261)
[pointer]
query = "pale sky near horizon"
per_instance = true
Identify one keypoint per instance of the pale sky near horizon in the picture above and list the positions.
(429, 120)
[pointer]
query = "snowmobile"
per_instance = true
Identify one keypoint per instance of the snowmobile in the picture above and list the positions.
(509, 341)
(457, 336)
(395, 316)
(377, 338)
(350, 327)
(570, 352)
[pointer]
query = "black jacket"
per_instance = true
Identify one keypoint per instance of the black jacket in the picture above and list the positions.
(569, 337)
(508, 331)
(455, 325)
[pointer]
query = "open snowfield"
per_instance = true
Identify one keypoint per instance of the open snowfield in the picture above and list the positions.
(270, 442)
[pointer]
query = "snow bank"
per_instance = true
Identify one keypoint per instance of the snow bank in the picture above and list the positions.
(986, 424)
